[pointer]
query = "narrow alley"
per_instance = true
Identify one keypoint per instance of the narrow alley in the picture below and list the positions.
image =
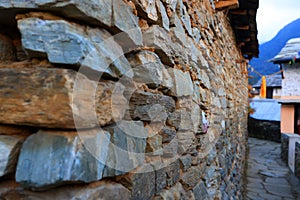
(268, 177)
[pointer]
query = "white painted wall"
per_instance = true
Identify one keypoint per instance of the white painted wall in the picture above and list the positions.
(291, 81)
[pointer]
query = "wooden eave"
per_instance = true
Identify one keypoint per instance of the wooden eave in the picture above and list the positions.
(243, 22)
(226, 4)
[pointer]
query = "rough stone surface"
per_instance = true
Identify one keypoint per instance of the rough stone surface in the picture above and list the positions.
(167, 133)
(146, 106)
(46, 97)
(52, 158)
(9, 152)
(126, 23)
(114, 14)
(180, 120)
(6, 48)
(158, 38)
(163, 17)
(94, 12)
(200, 191)
(96, 190)
(182, 83)
(127, 148)
(147, 9)
(94, 50)
(191, 178)
(173, 173)
(141, 182)
(147, 68)
(176, 192)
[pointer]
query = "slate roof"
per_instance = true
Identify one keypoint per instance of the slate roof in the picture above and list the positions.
(266, 109)
(272, 81)
(288, 52)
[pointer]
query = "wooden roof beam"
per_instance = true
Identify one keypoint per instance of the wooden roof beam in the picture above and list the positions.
(223, 4)
(245, 28)
(239, 12)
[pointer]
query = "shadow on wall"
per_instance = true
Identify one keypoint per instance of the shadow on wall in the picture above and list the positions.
(268, 130)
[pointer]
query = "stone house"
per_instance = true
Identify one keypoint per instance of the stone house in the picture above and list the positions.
(118, 99)
(288, 59)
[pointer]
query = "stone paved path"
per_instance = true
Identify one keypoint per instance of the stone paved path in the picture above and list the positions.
(268, 178)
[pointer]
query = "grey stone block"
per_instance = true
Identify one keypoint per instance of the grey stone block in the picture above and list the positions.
(9, 152)
(92, 49)
(52, 158)
(127, 148)
(182, 83)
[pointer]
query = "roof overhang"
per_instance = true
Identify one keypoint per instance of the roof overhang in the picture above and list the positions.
(243, 22)
(288, 101)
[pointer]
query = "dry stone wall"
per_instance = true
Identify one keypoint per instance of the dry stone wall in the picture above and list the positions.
(113, 99)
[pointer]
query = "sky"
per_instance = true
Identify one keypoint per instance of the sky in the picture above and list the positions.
(273, 15)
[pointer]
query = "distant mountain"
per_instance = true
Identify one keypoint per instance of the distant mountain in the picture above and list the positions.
(271, 48)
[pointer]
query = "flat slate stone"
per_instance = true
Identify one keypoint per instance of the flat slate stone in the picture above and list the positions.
(9, 152)
(92, 49)
(127, 148)
(182, 83)
(96, 12)
(52, 158)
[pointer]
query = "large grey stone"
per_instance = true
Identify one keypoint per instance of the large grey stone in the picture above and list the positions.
(182, 83)
(173, 173)
(92, 49)
(97, 190)
(126, 23)
(9, 152)
(113, 14)
(141, 183)
(147, 9)
(94, 12)
(127, 148)
(184, 16)
(180, 120)
(57, 98)
(186, 143)
(163, 19)
(193, 175)
(167, 133)
(146, 106)
(147, 68)
(200, 192)
(52, 158)
(170, 149)
(158, 38)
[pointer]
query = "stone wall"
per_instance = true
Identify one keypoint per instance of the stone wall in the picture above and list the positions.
(268, 130)
(297, 160)
(120, 99)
